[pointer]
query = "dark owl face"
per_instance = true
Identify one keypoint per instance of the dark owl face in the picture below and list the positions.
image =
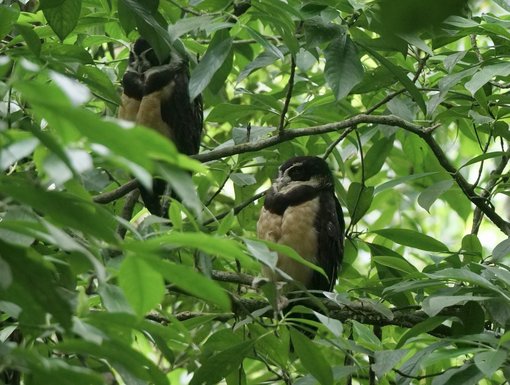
(303, 170)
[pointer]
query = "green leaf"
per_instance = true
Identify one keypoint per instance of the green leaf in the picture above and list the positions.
(291, 253)
(421, 328)
(181, 183)
(376, 156)
(17, 151)
(8, 16)
(413, 239)
(5, 276)
(505, 4)
(428, 196)
(333, 325)
(396, 263)
(31, 38)
(33, 287)
(312, 358)
(184, 26)
(385, 360)
(365, 336)
(217, 367)
(490, 361)
(465, 275)
(62, 208)
(434, 304)
(501, 250)
(120, 353)
(343, 68)
(143, 286)
(359, 199)
(471, 245)
(466, 375)
(395, 182)
(400, 75)
(218, 51)
(225, 248)
(189, 280)
(264, 43)
(487, 155)
(150, 24)
(483, 76)
(64, 17)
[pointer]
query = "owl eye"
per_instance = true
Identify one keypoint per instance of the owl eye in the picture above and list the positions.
(298, 173)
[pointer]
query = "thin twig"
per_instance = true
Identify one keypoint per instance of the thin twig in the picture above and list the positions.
(119, 192)
(495, 175)
(399, 372)
(185, 9)
(290, 88)
(127, 211)
(479, 56)
(389, 97)
(237, 209)
(220, 188)
(333, 145)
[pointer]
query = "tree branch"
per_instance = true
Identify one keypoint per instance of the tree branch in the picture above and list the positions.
(281, 126)
(478, 214)
(119, 192)
(389, 120)
(479, 201)
(359, 310)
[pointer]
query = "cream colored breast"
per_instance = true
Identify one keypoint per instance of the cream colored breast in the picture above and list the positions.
(149, 113)
(295, 228)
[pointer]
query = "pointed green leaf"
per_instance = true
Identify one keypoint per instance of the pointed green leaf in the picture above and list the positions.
(64, 17)
(212, 61)
(343, 68)
(143, 286)
(312, 358)
(217, 367)
(413, 239)
(428, 196)
(359, 199)
(490, 361)
(400, 74)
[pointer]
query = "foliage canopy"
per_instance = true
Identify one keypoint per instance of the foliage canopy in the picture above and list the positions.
(409, 107)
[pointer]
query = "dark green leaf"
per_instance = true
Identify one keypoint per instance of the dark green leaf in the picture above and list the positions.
(64, 17)
(32, 39)
(376, 156)
(8, 16)
(217, 367)
(385, 360)
(312, 358)
(359, 199)
(192, 282)
(490, 361)
(400, 75)
(420, 328)
(116, 352)
(413, 239)
(212, 61)
(33, 286)
(343, 68)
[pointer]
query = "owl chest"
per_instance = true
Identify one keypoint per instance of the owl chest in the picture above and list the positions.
(294, 228)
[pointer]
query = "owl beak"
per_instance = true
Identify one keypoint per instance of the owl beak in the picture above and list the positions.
(281, 182)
